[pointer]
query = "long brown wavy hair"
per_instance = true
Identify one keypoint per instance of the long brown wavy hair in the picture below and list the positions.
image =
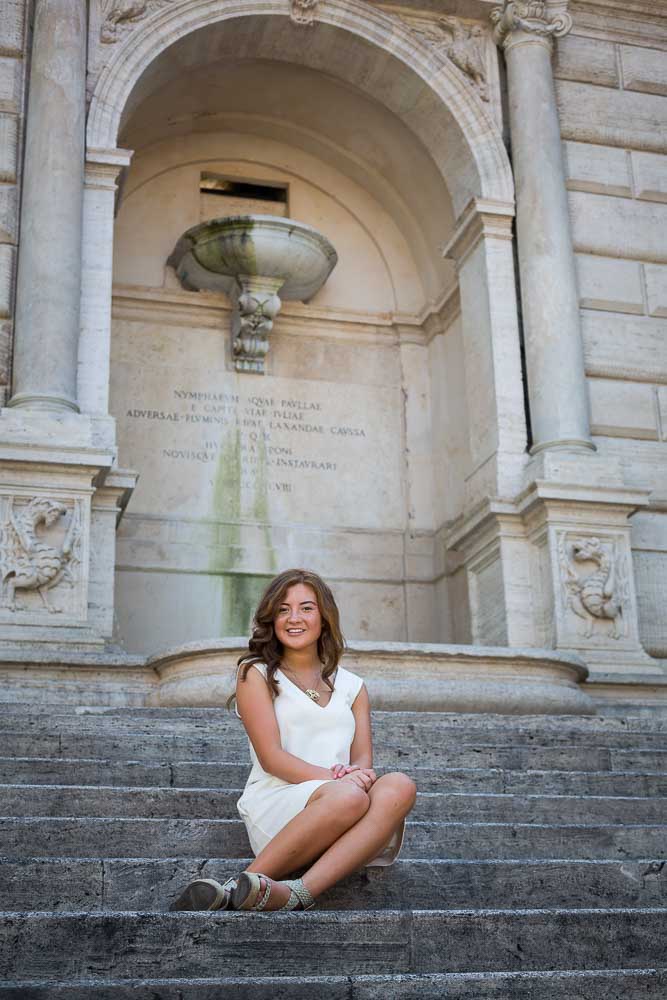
(264, 647)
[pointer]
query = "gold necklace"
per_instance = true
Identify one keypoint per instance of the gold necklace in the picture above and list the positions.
(311, 692)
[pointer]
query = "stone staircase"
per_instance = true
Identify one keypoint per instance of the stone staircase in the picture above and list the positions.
(533, 867)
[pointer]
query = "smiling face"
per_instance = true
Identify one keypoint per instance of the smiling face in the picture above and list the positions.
(298, 622)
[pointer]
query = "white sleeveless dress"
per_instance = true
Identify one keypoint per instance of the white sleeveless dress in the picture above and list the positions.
(320, 736)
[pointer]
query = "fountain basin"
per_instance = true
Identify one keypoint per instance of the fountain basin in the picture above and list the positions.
(216, 254)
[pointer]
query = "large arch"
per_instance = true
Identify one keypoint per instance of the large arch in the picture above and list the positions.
(471, 140)
(468, 190)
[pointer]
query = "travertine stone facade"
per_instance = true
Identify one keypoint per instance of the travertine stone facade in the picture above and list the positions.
(465, 430)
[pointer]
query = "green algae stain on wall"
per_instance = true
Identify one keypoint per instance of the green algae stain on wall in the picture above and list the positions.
(239, 591)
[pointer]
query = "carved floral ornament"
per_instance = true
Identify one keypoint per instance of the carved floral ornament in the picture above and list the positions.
(530, 16)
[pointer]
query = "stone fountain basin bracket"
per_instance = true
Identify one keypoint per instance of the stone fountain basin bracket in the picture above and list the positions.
(258, 260)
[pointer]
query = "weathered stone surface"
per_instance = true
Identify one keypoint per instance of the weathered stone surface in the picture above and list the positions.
(93, 837)
(656, 289)
(63, 885)
(585, 60)
(650, 176)
(612, 117)
(624, 346)
(617, 984)
(610, 284)
(12, 23)
(220, 804)
(600, 169)
(9, 132)
(45, 770)
(644, 69)
(491, 940)
(7, 257)
(592, 862)
(10, 83)
(625, 410)
(592, 757)
(618, 227)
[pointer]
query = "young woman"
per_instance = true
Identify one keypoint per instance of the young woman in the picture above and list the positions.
(312, 802)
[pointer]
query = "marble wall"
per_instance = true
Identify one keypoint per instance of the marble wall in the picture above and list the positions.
(613, 108)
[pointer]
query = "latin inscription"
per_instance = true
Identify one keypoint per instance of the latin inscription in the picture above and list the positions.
(272, 439)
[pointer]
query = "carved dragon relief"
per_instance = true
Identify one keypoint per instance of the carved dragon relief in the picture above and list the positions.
(31, 559)
(464, 44)
(594, 582)
(117, 14)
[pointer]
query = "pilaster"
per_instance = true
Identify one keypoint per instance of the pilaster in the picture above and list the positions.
(103, 167)
(481, 248)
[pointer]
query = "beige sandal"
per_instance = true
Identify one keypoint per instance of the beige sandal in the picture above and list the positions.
(249, 895)
(205, 894)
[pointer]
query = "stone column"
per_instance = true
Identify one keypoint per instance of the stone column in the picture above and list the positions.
(554, 352)
(49, 267)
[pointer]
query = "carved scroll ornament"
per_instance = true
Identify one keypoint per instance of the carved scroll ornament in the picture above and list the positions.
(531, 16)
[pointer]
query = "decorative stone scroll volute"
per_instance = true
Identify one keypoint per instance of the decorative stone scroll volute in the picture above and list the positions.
(531, 16)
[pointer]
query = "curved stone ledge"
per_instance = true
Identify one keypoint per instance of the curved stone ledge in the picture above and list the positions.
(400, 677)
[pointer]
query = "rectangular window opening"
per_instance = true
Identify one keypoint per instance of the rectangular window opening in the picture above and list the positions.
(220, 196)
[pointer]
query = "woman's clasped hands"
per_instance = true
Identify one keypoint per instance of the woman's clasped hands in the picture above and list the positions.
(364, 777)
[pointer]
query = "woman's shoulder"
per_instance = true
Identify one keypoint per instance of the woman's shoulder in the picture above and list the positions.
(349, 682)
(254, 663)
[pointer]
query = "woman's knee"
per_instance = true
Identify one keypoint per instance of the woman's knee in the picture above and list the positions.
(345, 801)
(399, 786)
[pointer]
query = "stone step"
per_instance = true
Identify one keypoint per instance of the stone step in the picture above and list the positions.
(184, 774)
(75, 884)
(612, 984)
(388, 727)
(142, 945)
(214, 803)
(162, 749)
(130, 838)
(203, 718)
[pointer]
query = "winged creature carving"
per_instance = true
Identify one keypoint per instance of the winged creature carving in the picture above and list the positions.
(116, 12)
(599, 593)
(28, 559)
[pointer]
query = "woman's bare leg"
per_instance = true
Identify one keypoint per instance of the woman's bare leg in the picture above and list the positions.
(391, 798)
(331, 810)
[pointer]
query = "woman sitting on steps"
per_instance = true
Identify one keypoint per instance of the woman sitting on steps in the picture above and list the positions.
(313, 802)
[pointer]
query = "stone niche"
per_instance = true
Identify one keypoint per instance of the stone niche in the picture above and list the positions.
(327, 459)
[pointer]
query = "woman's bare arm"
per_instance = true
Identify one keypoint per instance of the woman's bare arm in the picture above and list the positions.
(255, 706)
(361, 751)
